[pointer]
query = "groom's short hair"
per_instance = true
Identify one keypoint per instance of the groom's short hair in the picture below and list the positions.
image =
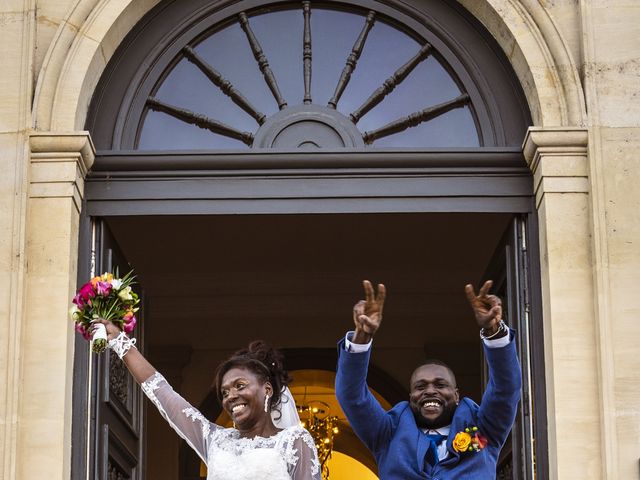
(435, 361)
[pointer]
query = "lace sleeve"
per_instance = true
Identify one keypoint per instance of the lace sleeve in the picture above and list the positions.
(302, 456)
(183, 418)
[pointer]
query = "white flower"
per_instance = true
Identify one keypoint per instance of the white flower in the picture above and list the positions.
(74, 313)
(125, 294)
(116, 283)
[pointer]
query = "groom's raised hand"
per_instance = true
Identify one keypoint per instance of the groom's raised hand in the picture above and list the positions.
(486, 308)
(367, 313)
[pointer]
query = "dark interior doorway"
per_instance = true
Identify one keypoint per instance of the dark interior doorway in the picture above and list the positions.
(212, 283)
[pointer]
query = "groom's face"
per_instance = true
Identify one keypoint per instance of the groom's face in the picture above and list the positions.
(434, 396)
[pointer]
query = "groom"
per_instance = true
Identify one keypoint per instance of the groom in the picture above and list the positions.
(436, 434)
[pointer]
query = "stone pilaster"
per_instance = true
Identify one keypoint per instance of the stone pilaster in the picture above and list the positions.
(558, 159)
(58, 165)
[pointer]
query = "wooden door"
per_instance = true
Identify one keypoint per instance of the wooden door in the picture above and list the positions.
(118, 413)
(510, 271)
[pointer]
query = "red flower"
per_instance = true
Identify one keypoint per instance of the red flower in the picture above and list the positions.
(480, 441)
(87, 292)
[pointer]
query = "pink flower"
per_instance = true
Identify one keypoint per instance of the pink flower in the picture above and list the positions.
(83, 331)
(103, 288)
(87, 292)
(78, 301)
(130, 325)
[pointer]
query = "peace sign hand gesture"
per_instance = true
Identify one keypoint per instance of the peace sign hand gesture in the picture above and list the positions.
(486, 308)
(367, 313)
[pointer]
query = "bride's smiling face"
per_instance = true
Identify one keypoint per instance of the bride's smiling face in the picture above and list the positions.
(243, 395)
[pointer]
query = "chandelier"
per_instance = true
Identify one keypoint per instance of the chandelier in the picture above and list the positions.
(323, 427)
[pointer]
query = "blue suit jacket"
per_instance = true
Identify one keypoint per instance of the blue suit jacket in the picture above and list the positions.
(400, 446)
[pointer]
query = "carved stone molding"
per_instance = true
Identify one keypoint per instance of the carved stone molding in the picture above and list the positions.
(59, 164)
(558, 160)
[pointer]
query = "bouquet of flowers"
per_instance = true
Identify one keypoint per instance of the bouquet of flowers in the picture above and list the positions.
(107, 297)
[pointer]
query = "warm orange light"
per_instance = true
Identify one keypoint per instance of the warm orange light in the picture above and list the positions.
(344, 467)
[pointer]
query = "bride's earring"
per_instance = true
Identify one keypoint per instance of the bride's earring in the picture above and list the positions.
(266, 404)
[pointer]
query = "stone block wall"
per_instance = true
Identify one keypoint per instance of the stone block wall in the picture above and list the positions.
(578, 64)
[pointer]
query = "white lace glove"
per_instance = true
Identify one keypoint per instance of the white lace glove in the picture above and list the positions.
(121, 344)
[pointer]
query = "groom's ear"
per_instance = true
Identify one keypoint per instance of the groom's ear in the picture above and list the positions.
(457, 396)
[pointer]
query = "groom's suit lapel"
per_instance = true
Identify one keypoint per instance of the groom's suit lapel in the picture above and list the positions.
(461, 418)
(408, 424)
(421, 451)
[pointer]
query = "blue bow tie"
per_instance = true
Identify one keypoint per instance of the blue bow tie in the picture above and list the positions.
(432, 453)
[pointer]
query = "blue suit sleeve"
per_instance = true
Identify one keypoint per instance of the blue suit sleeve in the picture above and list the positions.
(367, 417)
(500, 400)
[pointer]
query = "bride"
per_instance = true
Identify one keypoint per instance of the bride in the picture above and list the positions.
(267, 441)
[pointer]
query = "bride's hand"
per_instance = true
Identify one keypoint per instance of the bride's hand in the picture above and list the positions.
(112, 330)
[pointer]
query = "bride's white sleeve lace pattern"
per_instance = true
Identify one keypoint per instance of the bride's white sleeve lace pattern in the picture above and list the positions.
(187, 421)
(301, 454)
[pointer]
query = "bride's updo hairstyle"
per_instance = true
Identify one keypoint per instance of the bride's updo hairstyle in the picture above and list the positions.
(264, 361)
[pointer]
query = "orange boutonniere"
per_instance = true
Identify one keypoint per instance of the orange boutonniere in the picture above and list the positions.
(469, 440)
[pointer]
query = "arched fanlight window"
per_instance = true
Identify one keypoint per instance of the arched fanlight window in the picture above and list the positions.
(302, 76)
(255, 75)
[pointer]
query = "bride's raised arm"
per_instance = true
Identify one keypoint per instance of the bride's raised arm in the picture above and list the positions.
(186, 420)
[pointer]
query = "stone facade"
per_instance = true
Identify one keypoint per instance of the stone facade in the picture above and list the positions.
(578, 64)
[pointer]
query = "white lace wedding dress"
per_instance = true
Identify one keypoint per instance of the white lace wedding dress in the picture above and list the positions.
(288, 455)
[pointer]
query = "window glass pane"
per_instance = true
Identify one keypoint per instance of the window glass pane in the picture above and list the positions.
(280, 35)
(386, 50)
(427, 85)
(453, 129)
(163, 132)
(228, 51)
(333, 34)
(186, 87)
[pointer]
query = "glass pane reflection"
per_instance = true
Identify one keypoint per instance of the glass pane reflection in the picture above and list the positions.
(280, 34)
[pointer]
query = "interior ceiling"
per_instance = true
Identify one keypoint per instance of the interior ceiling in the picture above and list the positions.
(211, 284)
(215, 282)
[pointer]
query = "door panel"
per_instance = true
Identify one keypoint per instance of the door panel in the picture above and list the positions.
(509, 270)
(118, 407)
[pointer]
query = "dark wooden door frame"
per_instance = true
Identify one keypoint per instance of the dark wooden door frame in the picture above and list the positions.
(429, 187)
(515, 272)
(107, 426)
